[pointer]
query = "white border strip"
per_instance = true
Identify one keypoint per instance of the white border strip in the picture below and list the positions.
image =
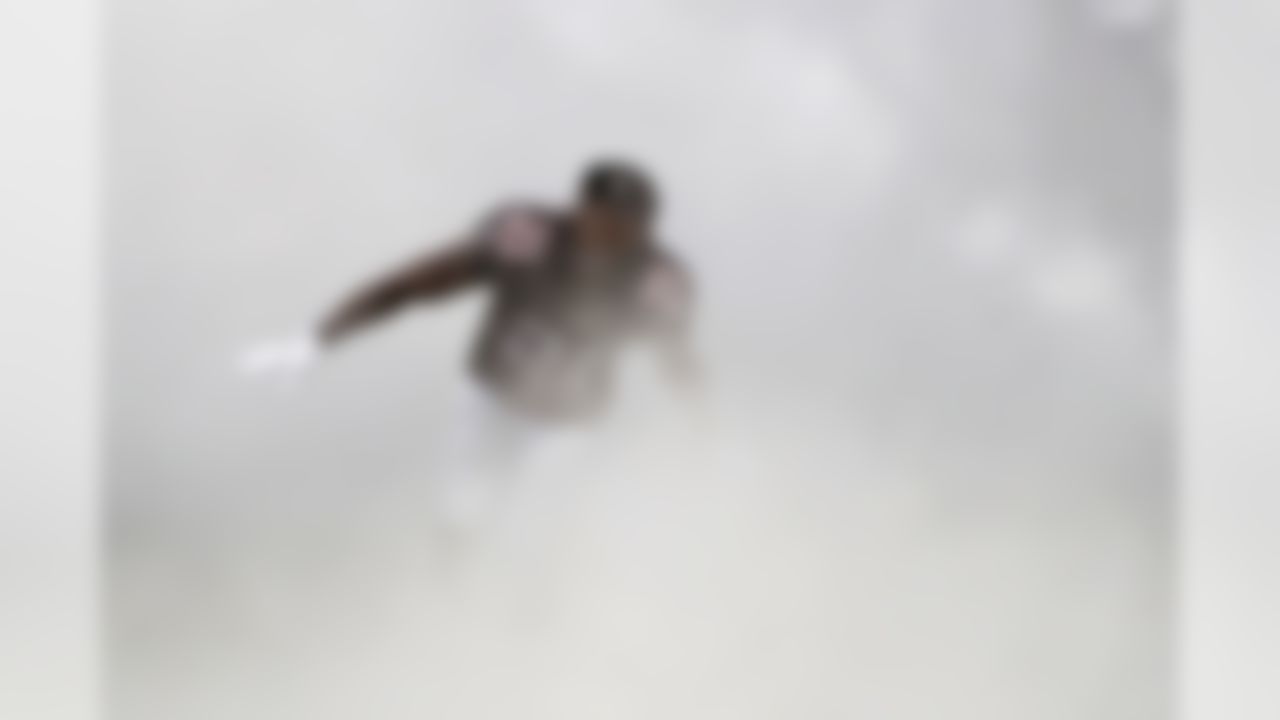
(49, 67)
(1230, 523)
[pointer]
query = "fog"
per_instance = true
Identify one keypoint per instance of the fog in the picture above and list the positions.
(933, 249)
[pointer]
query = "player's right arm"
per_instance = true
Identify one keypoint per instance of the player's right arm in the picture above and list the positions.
(510, 236)
(433, 276)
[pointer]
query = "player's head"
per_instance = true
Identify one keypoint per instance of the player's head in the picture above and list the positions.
(619, 187)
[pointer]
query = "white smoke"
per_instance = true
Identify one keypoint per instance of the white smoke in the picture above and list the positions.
(929, 246)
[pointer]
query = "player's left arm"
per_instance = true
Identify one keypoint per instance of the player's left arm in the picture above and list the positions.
(668, 298)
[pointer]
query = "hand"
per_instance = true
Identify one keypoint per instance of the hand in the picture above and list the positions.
(283, 362)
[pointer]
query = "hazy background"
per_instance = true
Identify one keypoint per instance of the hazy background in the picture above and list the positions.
(933, 241)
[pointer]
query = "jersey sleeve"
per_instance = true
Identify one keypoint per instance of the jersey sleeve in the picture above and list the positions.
(517, 235)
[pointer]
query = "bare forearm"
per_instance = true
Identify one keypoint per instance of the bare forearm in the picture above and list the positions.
(434, 276)
(362, 309)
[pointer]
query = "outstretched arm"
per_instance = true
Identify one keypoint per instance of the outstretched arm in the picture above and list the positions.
(434, 276)
(512, 235)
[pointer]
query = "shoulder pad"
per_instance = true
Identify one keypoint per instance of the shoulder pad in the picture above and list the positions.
(519, 234)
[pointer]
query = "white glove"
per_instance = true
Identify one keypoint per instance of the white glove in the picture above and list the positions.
(283, 362)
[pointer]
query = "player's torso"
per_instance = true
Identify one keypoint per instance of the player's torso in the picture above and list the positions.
(556, 324)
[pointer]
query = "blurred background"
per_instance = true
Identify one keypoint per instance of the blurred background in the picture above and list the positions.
(933, 242)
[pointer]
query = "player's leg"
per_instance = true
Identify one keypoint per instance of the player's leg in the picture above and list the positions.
(484, 453)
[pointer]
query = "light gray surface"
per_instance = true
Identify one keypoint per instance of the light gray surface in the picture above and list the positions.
(932, 241)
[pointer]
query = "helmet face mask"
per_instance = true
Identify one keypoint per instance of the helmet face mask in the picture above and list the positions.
(620, 187)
